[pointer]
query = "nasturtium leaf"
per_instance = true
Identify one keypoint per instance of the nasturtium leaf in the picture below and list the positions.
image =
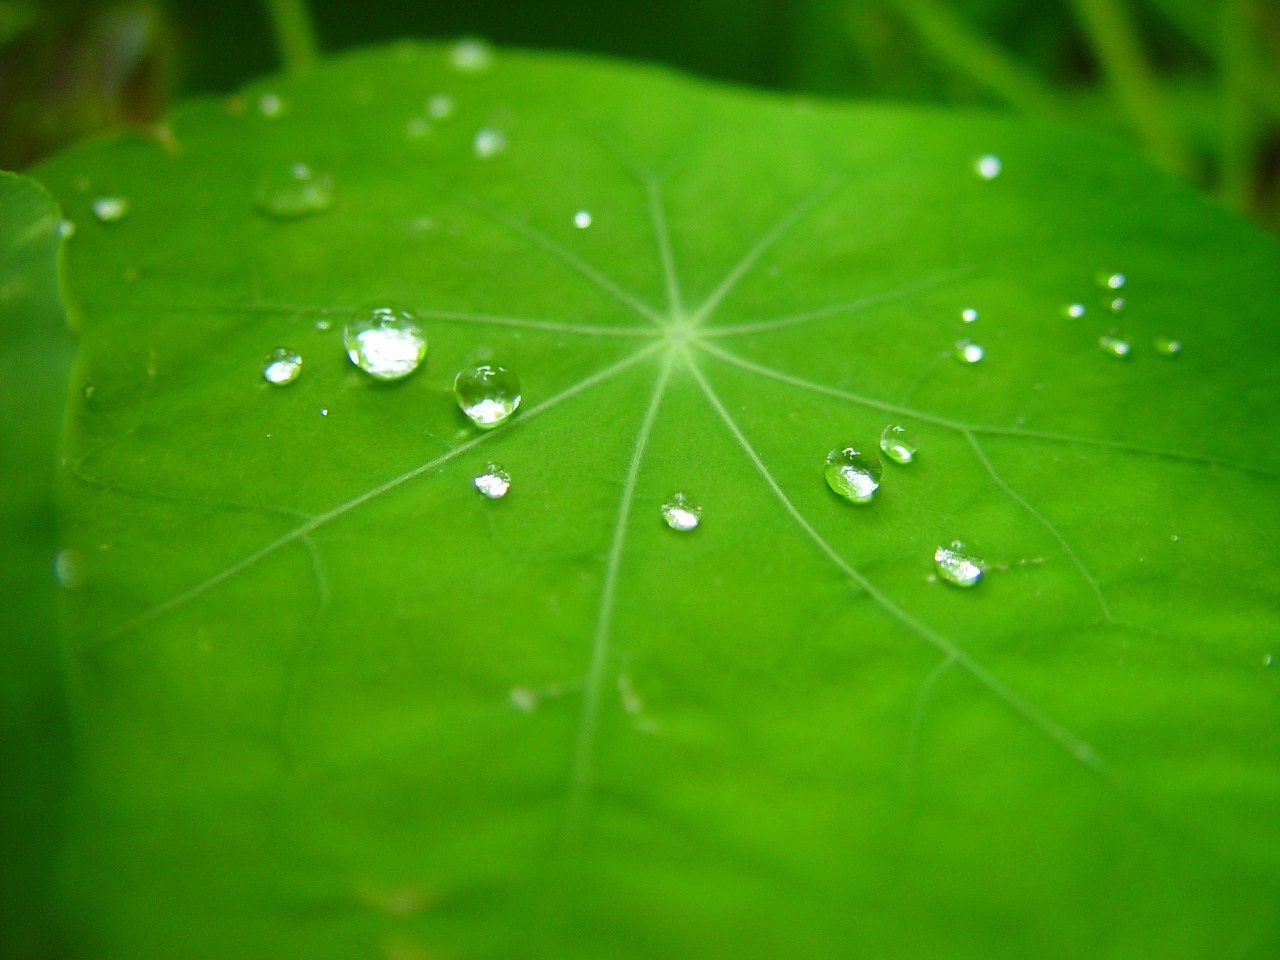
(332, 702)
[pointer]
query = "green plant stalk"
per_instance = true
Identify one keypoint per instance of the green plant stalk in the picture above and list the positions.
(295, 34)
(967, 51)
(1115, 43)
(1235, 146)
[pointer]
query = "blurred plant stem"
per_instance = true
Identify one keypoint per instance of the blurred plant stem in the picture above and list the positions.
(1114, 41)
(1239, 20)
(295, 35)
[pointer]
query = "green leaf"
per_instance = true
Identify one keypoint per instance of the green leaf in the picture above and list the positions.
(331, 701)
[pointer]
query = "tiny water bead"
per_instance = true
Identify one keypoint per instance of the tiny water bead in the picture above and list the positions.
(899, 443)
(681, 513)
(487, 393)
(324, 324)
(1111, 281)
(582, 219)
(440, 106)
(1115, 345)
(1117, 304)
(493, 482)
(281, 367)
(489, 142)
(853, 471)
(968, 314)
(966, 351)
(295, 192)
(1167, 347)
(471, 55)
(110, 209)
(66, 229)
(1073, 311)
(270, 105)
(988, 166)
(958, 565)
(385, 342)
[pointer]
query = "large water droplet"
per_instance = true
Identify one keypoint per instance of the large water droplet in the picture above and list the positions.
(295, 192)
(853, 471)
(281, 367)
(988, 166)
(966, 351)
(957, 565)
(385, 342)
(489, 142)
(681, 513)
(582, 219)
(488, 394)
(493, 482)
(1115, 345)
(968, 314)
(899, 443)
(1168, 347)
(471, 55)
(110, 209)
(440, 106)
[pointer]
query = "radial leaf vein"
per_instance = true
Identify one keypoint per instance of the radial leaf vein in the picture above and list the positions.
(662, 235)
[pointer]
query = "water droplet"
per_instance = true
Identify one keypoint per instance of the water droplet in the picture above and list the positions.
(968, 314)
(1268, 660)
(489, 142)
(957, 565)
(967, 351)
(385, 342)
(324, 411)
(89, 390)
(1117, 304)
(417, 127)
(1111, 281)
(1168, 347)
(110, 209)
(899, 443)
(296, 192)
(324, 324)
(681, 513)
(524, 699)
(853, 471)
(494, 482)
(1073, 311)
(440, 106)
(68, 568)
(582, 219)
(1115, 345)
(487, 393)
(471, 55)
(270, 105)
(66, 228)
(281, 367)
(988, 166)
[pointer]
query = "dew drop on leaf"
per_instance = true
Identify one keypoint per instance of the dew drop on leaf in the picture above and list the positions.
(493, 482)
(489, 142)
(298, 191)
(281, 367)
(968, 314)
(1115, 345)
(582, 219)
(471, 55)
(988, 166)
(440, 106)
(1111, 281)
(1168, 347)
(853, 471)
(324, 324)
(1073, 311)
(66, 228)
(487, 393)
(110, 209)
(958, 565)
(1117, 304)
(966, 351)
(681, 513)
(899, 443)
(385, 342)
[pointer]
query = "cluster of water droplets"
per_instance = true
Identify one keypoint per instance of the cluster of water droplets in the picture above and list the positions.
(1113, 341)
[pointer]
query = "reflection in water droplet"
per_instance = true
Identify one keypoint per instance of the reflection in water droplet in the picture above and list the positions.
(1268, 660)
(66, 228)
(966, 351)
(324, 324)
(1073, 311)
(270, 105)
(68, 568)
(324, 411)
(988, 166)
(681, 513)
(440, 106)
(293, 193)
(1115, 345)
(281, 367)
(968, 314)
(471, 55)
(385, 342)
(1111, 281)
(1117, 304)
(489, 142)
(957, 565)
(494, 482)
(582, 219)
(1168, 347)
(853, 471)
(899, 443)
(488, 394)
(110, 209)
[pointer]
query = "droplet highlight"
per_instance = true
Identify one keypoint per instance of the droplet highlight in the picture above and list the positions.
(440, 106)
(271, 105)
(681, 513)
(1111, 281)
(853, 471)
(968, 352)
(110, 209)
(493, 482)
(471, 55)
(487, 393)
(489, 142)
(1117, 304)
(1168, 347)
(385, 342)
(968, 314)
(899, 443)
(988, 166)
(1115, 345)
(293, 193)
(1073, 311)
(957, 565)
(281, 367)
(582, 219)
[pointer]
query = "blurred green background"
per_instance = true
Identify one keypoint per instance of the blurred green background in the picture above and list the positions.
(1194, 83)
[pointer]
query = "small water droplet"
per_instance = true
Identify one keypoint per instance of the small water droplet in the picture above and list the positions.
(324, 324)
(582, 219)
(1268, 660)
(417, 127)
(988, 166)
(295, 192)
(493, 482)
(440, 106)
(324, 411)
(1111, 281)
(471, 55)
(524, 699)
(271, 105)
(110, 209)
(1165, 346)
(853, 471)
(968, 314)
(281, 367)
(68, 568)
(1174, 537)
(89, 390)
(966, 351)
(899, 443)
(1073, 311)
(681, 513)
(1115, 345)
(66, 228)
(957, 565)
(385, 342)
(489, 142)
(1117, 304)
(487, 393)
